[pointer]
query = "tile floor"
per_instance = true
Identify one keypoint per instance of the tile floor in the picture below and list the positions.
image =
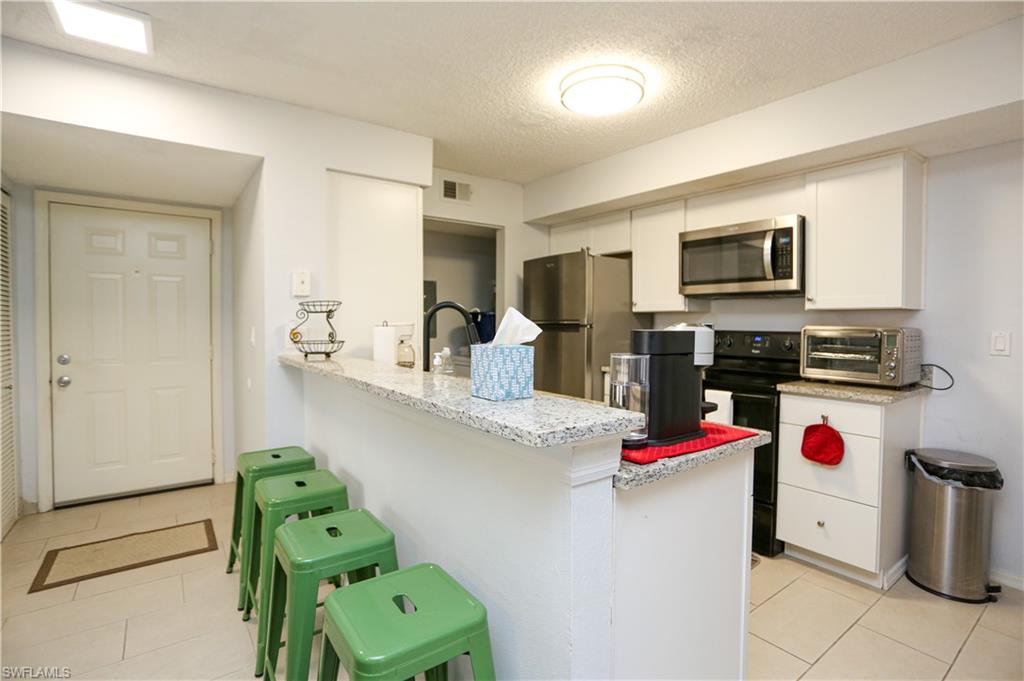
(176, 620)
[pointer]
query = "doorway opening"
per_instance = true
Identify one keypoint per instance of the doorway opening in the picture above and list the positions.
(460, 263)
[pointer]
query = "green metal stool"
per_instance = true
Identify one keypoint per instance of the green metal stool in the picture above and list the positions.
(307, 552)
(278, 498)
(400, 624)
(251, 467)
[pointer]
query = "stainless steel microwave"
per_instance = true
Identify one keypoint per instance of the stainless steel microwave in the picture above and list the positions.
(765, 257)
(861, 354)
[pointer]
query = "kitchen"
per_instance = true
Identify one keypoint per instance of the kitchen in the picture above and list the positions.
(911, 213)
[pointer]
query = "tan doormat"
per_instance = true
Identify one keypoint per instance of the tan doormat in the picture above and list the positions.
(96, 559)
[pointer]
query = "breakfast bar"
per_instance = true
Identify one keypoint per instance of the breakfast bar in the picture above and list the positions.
(589, 567)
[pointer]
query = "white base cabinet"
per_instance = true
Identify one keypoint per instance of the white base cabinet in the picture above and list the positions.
(851, 517)
(865, 235)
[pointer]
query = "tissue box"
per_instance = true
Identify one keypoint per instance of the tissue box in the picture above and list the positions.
(502, 372)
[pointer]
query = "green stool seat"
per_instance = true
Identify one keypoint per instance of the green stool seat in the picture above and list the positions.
(307, 552)
(401, 624)
(251, 467)
(278, 498)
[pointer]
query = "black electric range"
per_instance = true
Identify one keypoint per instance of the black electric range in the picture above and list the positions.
(750, 364)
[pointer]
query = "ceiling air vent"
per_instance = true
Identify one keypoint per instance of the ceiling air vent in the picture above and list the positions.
(455, 191)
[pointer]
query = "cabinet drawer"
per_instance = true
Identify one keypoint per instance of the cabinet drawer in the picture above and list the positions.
(855, 478)
(846, 417)
(839, 529)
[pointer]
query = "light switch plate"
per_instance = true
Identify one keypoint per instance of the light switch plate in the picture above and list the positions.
(301, 284)
(1000, 343)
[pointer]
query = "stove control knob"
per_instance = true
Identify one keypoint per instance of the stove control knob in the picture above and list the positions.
(787, 345)
(727, 342)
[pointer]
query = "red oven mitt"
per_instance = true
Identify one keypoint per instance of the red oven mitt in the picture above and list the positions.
(822, 444)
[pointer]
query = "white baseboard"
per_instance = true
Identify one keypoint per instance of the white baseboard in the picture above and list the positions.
(892, 575)
(1006, 579)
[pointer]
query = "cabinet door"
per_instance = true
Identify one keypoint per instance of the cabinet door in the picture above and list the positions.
(609, 233)
(856, 236)
(569, 238)
(654, 240)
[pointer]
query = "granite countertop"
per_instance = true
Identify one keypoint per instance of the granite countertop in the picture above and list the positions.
(543, 421)
(632, 475)
(851, 393)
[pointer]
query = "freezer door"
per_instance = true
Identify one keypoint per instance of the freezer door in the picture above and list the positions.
(556, 288)
(562, 361)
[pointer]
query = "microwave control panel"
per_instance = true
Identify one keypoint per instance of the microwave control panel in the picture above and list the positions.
(782, 250)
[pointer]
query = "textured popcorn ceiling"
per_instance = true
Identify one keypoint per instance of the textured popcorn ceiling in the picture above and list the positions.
(481, 79)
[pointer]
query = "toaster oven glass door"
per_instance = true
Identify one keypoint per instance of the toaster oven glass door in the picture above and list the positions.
(853, 356)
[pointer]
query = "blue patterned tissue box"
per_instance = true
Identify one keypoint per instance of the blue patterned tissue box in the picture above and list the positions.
(502, 372)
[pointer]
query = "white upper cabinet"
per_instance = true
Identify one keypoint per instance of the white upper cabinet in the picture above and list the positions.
(654, 240)
(602, 235)
(865, 235)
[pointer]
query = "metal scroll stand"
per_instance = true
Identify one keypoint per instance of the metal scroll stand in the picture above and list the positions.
(316, 346)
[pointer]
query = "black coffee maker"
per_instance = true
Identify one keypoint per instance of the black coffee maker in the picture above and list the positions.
(677, 358)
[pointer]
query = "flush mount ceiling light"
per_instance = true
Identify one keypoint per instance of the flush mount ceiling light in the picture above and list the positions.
(602, 90)
(103, 23)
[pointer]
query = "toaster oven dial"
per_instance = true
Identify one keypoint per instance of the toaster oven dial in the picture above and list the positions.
(891, 375)
(892, 365)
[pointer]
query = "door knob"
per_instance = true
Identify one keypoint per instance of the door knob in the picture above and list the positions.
(64, 381)
(63, 360)
(821, 523)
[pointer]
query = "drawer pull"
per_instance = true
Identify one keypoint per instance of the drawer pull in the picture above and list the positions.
(821, 523)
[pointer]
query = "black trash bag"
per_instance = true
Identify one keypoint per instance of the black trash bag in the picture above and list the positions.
(982, 480)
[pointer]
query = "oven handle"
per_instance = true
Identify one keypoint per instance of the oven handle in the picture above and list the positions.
(766, 253)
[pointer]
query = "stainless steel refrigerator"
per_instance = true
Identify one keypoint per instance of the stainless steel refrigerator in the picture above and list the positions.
(584, 305)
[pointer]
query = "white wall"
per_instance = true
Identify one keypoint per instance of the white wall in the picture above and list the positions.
(464, 268)
(983, 69)
(298, 147)
(496, 203)
(973, 284)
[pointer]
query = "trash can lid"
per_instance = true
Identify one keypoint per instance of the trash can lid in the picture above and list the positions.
(950, 458)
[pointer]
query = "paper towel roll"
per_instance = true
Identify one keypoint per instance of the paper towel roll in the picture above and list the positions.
(385, 340)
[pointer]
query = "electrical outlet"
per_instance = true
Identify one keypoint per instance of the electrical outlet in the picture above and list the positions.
(301, 284)
(999, 343)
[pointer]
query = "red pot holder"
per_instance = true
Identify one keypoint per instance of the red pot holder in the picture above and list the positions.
(822, 444)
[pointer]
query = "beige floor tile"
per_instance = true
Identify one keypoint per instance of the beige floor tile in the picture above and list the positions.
(222, 496)
(81, 652)
(204, 657)
(212, 585)
(109, 532)
(804, 619)
(17, 600)
(846, 587)
(863, 654)
(771, 576)
(935, 626)
(12, 553)
(53, 524)
(765, 662)
(149, 573)
(1006, 615)
(989, 654)
(69, 618)
(20, 574)
(179, 623)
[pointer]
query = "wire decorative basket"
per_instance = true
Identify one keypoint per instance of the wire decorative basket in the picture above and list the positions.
(323, 346)
(320, 306)
(319, 347)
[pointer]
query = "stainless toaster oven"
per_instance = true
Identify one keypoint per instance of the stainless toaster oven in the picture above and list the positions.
(860, 354)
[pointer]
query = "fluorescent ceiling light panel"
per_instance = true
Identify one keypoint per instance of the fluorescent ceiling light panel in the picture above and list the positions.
(103, 23)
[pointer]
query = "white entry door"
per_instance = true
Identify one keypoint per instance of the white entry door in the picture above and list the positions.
(130, 351)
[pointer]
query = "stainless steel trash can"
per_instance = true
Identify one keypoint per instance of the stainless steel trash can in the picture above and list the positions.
(951, 523)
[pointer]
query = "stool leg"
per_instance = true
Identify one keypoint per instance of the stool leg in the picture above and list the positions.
(248, 539)
(301, 621)
(480, 656)
(387, 561)
(236, 523)
(329, 662)
(272, 623)
(264, 562)
(438, 673)
(251, 573)
(361, 574)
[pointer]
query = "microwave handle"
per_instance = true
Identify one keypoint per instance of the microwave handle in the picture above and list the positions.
(769, 238)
